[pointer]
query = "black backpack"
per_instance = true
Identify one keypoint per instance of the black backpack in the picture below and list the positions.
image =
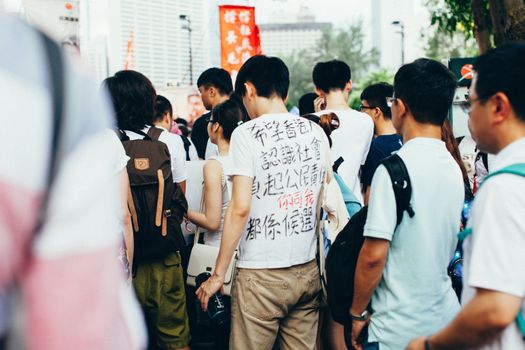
(157, 205)
(342, 257)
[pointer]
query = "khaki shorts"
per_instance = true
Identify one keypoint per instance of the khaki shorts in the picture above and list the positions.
(160, 291)
(275, 306)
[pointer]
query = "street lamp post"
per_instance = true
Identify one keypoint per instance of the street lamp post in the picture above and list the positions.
(401, 26)
(187, 26)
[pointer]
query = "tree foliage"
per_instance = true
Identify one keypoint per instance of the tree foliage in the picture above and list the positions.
(488, 21)
(346, 44)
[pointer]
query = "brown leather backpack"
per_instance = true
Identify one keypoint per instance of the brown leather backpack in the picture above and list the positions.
(157, 204)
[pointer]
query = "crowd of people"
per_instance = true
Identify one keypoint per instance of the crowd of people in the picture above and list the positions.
(98, 178)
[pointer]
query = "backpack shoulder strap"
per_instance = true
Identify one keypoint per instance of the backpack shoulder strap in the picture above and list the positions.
(56, 76)
(514, 169)
(154, 133)
(187, 145)
(401, 184)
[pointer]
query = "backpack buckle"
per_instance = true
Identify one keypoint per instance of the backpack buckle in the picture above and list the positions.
(167, 213)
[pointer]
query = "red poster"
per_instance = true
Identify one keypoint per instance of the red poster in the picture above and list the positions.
(239, 36)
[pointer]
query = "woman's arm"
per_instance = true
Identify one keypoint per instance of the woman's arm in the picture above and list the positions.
(211, 218)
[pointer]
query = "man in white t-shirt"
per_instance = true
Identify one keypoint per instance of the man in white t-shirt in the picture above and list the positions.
(163, 120)
(402, 270)
(278, 163)
(494, 261)
(351, 141)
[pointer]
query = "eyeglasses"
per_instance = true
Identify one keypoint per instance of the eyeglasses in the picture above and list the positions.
(361, 107)
(209, 120)
(466, 105)
(390, 101)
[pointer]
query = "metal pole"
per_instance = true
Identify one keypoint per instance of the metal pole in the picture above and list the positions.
(191, 52)
(402, 43)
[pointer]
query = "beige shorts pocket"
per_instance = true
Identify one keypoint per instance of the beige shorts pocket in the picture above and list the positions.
(264, 299)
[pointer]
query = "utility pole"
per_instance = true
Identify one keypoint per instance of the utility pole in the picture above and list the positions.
(401, 26)
(187, 27)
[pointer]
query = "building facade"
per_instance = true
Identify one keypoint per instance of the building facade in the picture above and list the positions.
(149, 36)
(282, 39)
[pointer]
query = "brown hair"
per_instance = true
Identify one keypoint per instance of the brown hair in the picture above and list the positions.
(447, 136)
(328, 122)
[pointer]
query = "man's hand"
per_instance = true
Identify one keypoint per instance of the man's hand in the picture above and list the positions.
(211, 286)
(417, 344)
(357, 329)
(319, 104)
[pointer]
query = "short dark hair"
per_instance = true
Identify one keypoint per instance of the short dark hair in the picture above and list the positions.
(228, 114)
(269, 75)
(133, 98)
(331, 75)
(427, 88)
(502, 70)
(306, 103)
(376, 95)
(162, 106)
(218, 78)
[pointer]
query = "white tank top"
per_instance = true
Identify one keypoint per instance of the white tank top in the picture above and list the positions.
(214, 238)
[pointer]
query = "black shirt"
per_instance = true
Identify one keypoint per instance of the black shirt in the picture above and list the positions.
(380, 148)
(199, 134)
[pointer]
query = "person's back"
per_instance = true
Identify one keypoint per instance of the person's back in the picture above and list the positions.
(287, 164)
(157, 206)
(351, 141)
(70, 277)
(414, 294)
(278, 163)
(386, 140)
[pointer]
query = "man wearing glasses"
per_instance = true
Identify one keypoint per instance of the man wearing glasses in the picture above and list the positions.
(493, 315)
(386, 141)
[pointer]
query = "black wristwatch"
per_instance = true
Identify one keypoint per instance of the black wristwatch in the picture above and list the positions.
(362, 317)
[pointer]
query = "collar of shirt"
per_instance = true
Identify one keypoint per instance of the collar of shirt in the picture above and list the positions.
(512, 153)
(424, 141)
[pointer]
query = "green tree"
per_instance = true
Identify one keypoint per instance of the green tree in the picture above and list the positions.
(441, 46)
(488, 21)
(374, 77)
(345, 44)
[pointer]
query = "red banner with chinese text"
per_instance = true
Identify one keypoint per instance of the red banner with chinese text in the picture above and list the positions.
(239, 36)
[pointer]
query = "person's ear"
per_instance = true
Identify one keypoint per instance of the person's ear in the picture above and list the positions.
(348, 86)
(167, 118)
(212, 91)
(251, 92)
(215, 127)
(401, 108)
(500, 108)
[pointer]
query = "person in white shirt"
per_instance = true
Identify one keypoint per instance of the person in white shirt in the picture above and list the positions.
(351, 141)
(494, 261)
(402, 269)
(225, 117)
(163, 120)
(278, 164)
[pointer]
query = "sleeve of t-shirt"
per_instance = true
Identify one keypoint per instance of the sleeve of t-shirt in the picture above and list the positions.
(241, 154)
(498, 243)
(381, 218)
(371, 163)
(178, 160)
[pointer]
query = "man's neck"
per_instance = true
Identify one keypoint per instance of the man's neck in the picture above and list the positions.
(385, 127)
(220, 99)
(161, 125)
(270, 106)
(413, 129)
(337, 101)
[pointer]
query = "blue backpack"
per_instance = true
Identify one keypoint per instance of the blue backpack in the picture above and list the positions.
(455, 267)
(352, 203)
